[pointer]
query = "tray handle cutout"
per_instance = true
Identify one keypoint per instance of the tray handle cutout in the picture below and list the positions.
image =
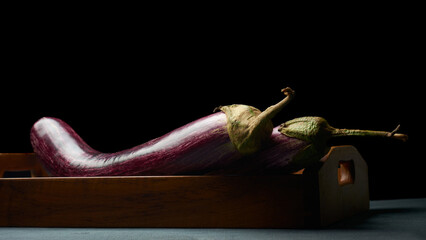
(346, 172)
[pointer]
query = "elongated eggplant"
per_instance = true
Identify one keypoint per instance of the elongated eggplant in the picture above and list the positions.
(211, 142)
(301, 143)
(195, 146)
(297, 144)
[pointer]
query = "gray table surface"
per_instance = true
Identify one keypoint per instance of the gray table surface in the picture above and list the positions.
(387, 219)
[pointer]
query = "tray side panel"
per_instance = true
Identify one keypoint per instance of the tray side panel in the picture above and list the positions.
(185, 201)
(342, 201)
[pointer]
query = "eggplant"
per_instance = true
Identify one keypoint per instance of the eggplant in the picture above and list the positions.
(302, 142)
(211, 142)
(239, 139)
(197, 145)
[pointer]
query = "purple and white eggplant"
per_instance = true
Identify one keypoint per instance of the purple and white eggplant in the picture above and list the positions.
(300, 143)
(212, 142)
(198, 145)
(240, 139)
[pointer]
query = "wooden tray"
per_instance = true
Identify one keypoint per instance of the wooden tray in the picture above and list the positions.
(309, 198)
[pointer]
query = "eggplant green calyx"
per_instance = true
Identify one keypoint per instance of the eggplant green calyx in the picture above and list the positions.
(248, 127)
(316, 131)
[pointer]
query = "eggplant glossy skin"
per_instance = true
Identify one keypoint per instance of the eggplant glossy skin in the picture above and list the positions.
(197, 147)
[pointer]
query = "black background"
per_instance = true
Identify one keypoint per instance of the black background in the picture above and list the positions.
(121, 81)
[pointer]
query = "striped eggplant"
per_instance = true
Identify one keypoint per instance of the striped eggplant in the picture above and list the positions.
(238, 140)
(208, 143)
(299, 143)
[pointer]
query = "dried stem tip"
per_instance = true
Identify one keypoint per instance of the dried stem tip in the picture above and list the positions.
(356, 132)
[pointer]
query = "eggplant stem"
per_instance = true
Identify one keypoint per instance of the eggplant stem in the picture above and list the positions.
(356, 132)
(394, 131)
(271, 111)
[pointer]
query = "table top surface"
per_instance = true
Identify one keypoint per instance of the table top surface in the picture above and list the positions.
(387, 219)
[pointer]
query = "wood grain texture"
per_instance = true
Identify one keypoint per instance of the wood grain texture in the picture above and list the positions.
(193, 201)
(310, 198)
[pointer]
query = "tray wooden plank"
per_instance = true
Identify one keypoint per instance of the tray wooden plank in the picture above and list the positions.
(193, 201)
